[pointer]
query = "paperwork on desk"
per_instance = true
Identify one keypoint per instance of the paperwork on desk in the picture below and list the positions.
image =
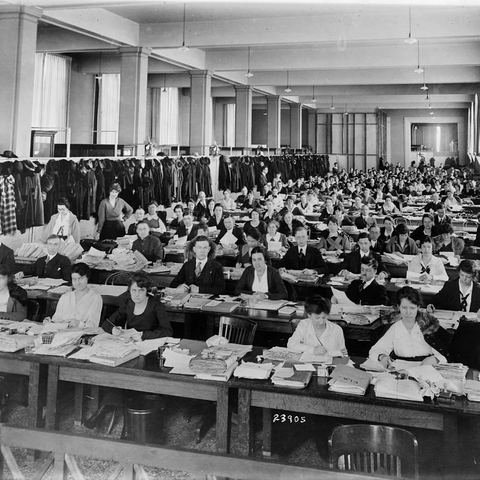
(388, 386)
(36, 283)
(280, 354)
(62, 343)
(228, 239)
(15, 342)
(398, 258)
(147, 346)
(272, 305)
(288, 376)
(346, 379)
(254, 371)
(472, 390)
(218, 360)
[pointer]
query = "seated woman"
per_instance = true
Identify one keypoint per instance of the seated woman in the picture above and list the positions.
(210, 211)
(401, 242)
(64, 223)
(157, 226)
(141, 312)
(216, 220)
(446, 242)
(227, 202)
(335, 240)
(253, 240)
(426, 229)
(261, 279)
(388, 230)
(429, 267)
(288, 225)
(82, 307)
(139, 216)
(148, 245)
(412, 335)
(270, 213)
(274, 236)
(389, 208)
(230, 234)
(178, 219)
(250, 203)
(342, 220)
(328, 210)
(255, 223)
(303, 207)
(13, 299)
(452, 202)
(316, 334)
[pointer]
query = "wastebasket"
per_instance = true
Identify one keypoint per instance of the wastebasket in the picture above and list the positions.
(145, 419)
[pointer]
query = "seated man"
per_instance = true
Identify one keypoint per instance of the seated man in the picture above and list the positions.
(202, 274)
(139, 216)
(200, 209)
(352, 261)
(230, 234)
(366, 290)
(303, 257)
(461, 294)
(365, 219)
(187, 228)
(377, 244)
(242, 197)
(148, 245)
(53, 265)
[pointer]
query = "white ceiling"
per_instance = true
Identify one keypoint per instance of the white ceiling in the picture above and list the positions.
(352, 51)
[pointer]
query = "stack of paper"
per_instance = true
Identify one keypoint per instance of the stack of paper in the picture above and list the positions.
(280, 354)
(453, 371)
(472, 390)
(290, 377)
(221, 377)
(255, 371)
(346, 379)
(14, 343)
(273, 305)
(387, 386)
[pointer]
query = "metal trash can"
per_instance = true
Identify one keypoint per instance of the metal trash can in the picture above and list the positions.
(145, 419)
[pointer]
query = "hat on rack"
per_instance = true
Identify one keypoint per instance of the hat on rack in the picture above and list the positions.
(148, 184)
(178, 163)
(8, 154)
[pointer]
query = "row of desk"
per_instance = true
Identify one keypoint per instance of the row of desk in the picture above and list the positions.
(143, 374)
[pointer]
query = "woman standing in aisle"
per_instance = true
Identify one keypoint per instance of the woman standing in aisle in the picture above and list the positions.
(112, 212)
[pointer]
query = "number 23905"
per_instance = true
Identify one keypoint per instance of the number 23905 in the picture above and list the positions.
(282, 417)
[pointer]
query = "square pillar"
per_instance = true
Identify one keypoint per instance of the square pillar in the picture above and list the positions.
(133, 97)
(243, 115)
(18, 42)
(296, 125)
(200, 111)
(312, 130)
(274, 116)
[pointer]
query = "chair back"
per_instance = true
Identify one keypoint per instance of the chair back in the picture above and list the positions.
(32, 309)
(119, 278)
(375, 449)
(237, 330)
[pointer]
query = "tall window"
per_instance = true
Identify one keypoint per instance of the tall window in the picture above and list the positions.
(108, 113)
(229, 124)
(50, 93)
(163, 119)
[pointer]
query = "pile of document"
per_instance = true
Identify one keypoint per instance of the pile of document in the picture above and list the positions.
(388, 386)
(280, 354)
(254, 371)
(62, 343)
(14, 343)
(291, 377)
(351, 380)
(472, 390)
(33, 251)
(452, 371)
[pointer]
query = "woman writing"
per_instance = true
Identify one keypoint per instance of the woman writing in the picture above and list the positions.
(64, 223)
(112, 211)
(13, 299)
(261, 280)
(82, 307)
(414, 335)
(141, 312)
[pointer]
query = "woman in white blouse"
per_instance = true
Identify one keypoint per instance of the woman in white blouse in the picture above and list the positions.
(316, 334)
(82, 307)
(276, 237)
(414, 335)
(64, 223)
(429, 267)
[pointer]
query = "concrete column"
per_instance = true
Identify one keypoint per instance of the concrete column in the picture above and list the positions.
(200, 111)
(295, 125)
(312, 129)
(18, 41)
(133, 96)
(243, 115)
(274, 120)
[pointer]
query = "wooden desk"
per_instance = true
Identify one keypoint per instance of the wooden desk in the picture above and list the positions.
(141, 374)
(317, 400)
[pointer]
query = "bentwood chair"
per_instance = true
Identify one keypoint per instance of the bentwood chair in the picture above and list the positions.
(374, 449)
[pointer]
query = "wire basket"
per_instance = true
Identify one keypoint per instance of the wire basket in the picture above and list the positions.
(47, 338)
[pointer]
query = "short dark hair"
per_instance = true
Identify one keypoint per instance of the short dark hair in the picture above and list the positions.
(115, 187)
(82, 269)
(301, 227)
(363, 235)
(426, 239)
(317, 304)
(63, 201)
(187, 211)
(427, 215)
(390, 219)
(53, 236)
(153, 202)
(411, 294)
(254, 233)
(6, 271)
(202, 226)
(370, 261)
(402, 229)
(178, 206)
(332, 219)
(261, 250)
(274, 222)
(142, 222)
(142, 280)
(218, 205)
(467, 266)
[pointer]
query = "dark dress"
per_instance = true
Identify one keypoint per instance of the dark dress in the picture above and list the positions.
(276, 287)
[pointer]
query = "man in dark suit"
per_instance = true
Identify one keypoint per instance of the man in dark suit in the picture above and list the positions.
(201, 206)
(461, 294)
(303, 257)
(53, 265)
(441, 218)
(229, 227)
(366, 290)
(364, 220)
(376, 243)
(201, 274)
(7, 257)
(187, 228)
(352, 262)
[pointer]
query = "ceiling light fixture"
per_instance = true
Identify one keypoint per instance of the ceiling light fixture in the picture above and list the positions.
(314, 100)
(332, 107)
(410, 40)
(249, 74)
(424, 86)
(419, 69)
(184, 48)
(288, 89)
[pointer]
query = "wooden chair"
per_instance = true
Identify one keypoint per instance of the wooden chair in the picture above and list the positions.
(375, 449)
(32, 309)
(237, 330)
(119, 278)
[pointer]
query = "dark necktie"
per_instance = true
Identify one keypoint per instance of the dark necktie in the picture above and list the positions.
(361, 287)
(301, 255)
(198, 270)
(463, 302)
(425, 269)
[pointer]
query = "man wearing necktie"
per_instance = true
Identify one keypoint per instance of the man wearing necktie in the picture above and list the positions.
(461, 294)
(303, 257)
(366, 290)
(202, 274)
(187, 228)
